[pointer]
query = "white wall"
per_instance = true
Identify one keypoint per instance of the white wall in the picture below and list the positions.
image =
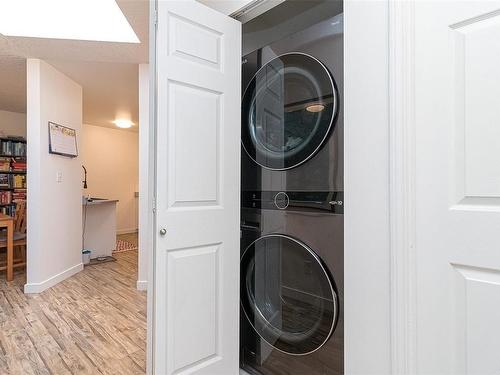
(12, 123)
(366, 144)
(54, 208)
(145, 179)
(111, 158)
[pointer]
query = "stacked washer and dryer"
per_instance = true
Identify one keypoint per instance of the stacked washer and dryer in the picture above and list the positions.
(292, 263)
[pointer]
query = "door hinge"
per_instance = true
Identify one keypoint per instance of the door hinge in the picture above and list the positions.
(154, 205)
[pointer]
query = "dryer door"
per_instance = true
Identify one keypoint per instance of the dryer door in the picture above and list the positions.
(288, 111)
(287, 294)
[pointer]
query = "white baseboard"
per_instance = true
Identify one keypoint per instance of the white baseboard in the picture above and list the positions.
(126, 231)
(142, 285)
(51, 281)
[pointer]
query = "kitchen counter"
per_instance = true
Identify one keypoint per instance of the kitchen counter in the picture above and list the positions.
(99, 201)
(99, 218)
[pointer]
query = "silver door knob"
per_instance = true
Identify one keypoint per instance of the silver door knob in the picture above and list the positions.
(163, 231)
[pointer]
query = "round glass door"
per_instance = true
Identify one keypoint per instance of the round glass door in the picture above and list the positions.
(288, 111)
(287, 294)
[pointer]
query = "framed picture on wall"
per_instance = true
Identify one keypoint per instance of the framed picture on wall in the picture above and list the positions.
(62, 140)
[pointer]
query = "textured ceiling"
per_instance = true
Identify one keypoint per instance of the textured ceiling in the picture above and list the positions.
(106, 71)
(137, 14)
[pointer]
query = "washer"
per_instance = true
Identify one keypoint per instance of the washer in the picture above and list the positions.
(291, 290)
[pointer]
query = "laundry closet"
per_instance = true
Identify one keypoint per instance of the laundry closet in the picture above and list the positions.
(292, 240)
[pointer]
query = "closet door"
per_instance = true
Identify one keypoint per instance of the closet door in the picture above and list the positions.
(457, 117)
(195, 314)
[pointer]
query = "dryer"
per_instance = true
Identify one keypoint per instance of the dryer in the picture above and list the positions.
(292, 120)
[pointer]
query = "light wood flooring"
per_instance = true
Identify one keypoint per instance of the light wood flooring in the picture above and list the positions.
(91, 323)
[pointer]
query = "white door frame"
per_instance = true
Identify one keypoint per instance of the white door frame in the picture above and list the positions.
(402, 186)
(367, 262)
(152, 187)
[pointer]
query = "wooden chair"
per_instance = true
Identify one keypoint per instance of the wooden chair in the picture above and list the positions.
(19, 237)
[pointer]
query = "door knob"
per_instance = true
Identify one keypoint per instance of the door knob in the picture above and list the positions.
(163, 231)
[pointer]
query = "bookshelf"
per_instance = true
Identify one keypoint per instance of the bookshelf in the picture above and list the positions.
(13, 171)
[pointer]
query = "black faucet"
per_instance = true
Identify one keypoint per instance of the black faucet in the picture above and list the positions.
(85, 178)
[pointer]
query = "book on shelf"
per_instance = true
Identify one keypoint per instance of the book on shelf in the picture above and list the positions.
(4, 164)
(12, 181)
(6, 197)
(13, 146)
(13, 169)
(5, 180)
(18, 166)
(19, 195)
(19, 181)
(12, 164)
(8, 210)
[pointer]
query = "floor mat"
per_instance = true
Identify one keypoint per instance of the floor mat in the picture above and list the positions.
(122, 246)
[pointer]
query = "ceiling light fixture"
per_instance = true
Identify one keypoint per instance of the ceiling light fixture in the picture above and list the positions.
(124, 124)
(314, 108)
(92, 20)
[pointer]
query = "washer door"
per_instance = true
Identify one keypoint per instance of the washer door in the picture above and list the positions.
(287, 294)
(288, 111)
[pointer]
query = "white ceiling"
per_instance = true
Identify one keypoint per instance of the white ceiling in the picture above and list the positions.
(106, 71)
(110, 90)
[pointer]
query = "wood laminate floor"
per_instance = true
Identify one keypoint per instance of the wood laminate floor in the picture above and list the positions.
(91, 323)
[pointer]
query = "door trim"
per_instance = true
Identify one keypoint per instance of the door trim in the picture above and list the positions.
(402, 174)
(254, 9)
(151, 324)
(367, 260)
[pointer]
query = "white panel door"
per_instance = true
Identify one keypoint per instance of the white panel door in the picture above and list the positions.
(196, 270)
(457, 114)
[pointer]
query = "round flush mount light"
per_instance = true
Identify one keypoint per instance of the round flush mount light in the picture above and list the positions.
(314, 108)
(124, 124)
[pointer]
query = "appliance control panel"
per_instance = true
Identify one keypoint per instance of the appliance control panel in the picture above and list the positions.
(331, 201)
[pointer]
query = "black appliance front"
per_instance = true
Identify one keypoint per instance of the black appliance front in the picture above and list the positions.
(291, 288)
(292, 277)
(292, 120)
(288, 111)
